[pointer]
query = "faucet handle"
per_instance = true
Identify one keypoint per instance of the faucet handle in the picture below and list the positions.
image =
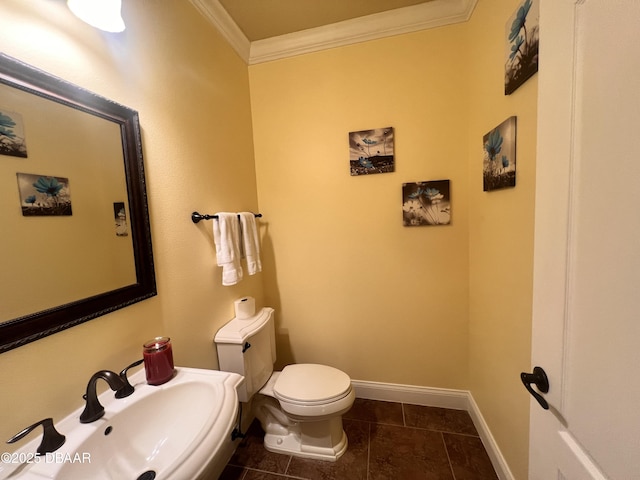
(128, 388)
(51, 438)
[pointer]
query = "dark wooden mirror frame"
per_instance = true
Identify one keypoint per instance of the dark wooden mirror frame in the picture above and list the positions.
(20, 331)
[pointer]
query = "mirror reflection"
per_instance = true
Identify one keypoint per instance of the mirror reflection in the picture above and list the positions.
(58, 203)
(72, 204)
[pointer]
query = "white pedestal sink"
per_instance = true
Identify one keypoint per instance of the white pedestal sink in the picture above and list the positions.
(179, 430)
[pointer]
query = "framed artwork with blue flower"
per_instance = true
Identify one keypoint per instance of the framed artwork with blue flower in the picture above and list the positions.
(426, 203)
(521, 52)
(12, 141)
(371, 151)
(499, 162)
(44, 195)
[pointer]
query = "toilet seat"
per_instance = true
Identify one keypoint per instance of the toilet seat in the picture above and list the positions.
(311, 384)
(311, 390)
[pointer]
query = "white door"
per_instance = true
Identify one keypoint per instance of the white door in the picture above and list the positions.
(586, 303)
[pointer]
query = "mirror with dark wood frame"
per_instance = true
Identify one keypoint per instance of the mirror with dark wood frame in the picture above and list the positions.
(35, 321)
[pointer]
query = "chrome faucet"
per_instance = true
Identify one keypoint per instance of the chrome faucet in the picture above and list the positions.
(93, 410)
(51, 438)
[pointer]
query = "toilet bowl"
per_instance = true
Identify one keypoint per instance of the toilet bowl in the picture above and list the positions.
(300, 408)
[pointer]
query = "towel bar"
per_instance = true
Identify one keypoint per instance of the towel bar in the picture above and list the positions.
(196, 217)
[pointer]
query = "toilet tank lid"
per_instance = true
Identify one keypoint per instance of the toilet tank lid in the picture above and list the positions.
(238, 330)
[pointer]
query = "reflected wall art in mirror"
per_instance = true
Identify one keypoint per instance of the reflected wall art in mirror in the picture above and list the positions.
(76, 239)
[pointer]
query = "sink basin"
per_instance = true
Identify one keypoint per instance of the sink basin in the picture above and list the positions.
(179, 430)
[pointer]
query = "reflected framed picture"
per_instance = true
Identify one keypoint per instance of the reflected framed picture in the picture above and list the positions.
(12, 139)
(44, 195)
(120, 217)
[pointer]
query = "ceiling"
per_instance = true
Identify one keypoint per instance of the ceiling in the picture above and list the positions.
(267, 30)
(260, 19)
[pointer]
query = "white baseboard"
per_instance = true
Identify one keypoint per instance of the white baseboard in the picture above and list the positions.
(430, 397)
(498, 461)
(438, 397)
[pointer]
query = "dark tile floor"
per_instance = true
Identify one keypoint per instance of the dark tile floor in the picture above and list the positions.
(387, 441)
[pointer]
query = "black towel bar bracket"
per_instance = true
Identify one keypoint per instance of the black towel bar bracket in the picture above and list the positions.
(196, 217)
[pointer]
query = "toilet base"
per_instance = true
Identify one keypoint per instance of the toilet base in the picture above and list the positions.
(321, 439)
(291, 445)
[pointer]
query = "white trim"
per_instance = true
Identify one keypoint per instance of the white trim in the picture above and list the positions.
(426, 396)
(436, 13)
(497, 459)
(438, 397)
(218, 16)
(427, 15)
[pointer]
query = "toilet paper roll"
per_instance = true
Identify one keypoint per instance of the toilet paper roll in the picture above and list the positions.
(245, 307)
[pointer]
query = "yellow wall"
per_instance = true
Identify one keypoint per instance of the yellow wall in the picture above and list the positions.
(352, 286)
(434, 306)
(500, 242)
(192, 93)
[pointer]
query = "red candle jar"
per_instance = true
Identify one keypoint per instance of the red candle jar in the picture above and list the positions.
(158, 360)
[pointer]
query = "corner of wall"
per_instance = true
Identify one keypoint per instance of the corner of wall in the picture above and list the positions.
(500, 241)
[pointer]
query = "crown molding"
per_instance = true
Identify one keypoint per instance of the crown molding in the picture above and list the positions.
(436, 13)
(218, 16)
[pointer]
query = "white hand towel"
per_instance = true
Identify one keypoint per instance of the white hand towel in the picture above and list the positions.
(226, 235)
(250, 242)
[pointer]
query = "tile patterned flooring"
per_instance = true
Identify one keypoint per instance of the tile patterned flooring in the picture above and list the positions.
(387, 441)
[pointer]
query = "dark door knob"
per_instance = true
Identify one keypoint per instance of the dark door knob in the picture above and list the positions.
(540, 380)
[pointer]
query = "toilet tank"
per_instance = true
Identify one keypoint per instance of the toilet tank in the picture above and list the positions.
(247, 346)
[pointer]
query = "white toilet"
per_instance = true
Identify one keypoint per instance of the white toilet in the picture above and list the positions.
(300, 408)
